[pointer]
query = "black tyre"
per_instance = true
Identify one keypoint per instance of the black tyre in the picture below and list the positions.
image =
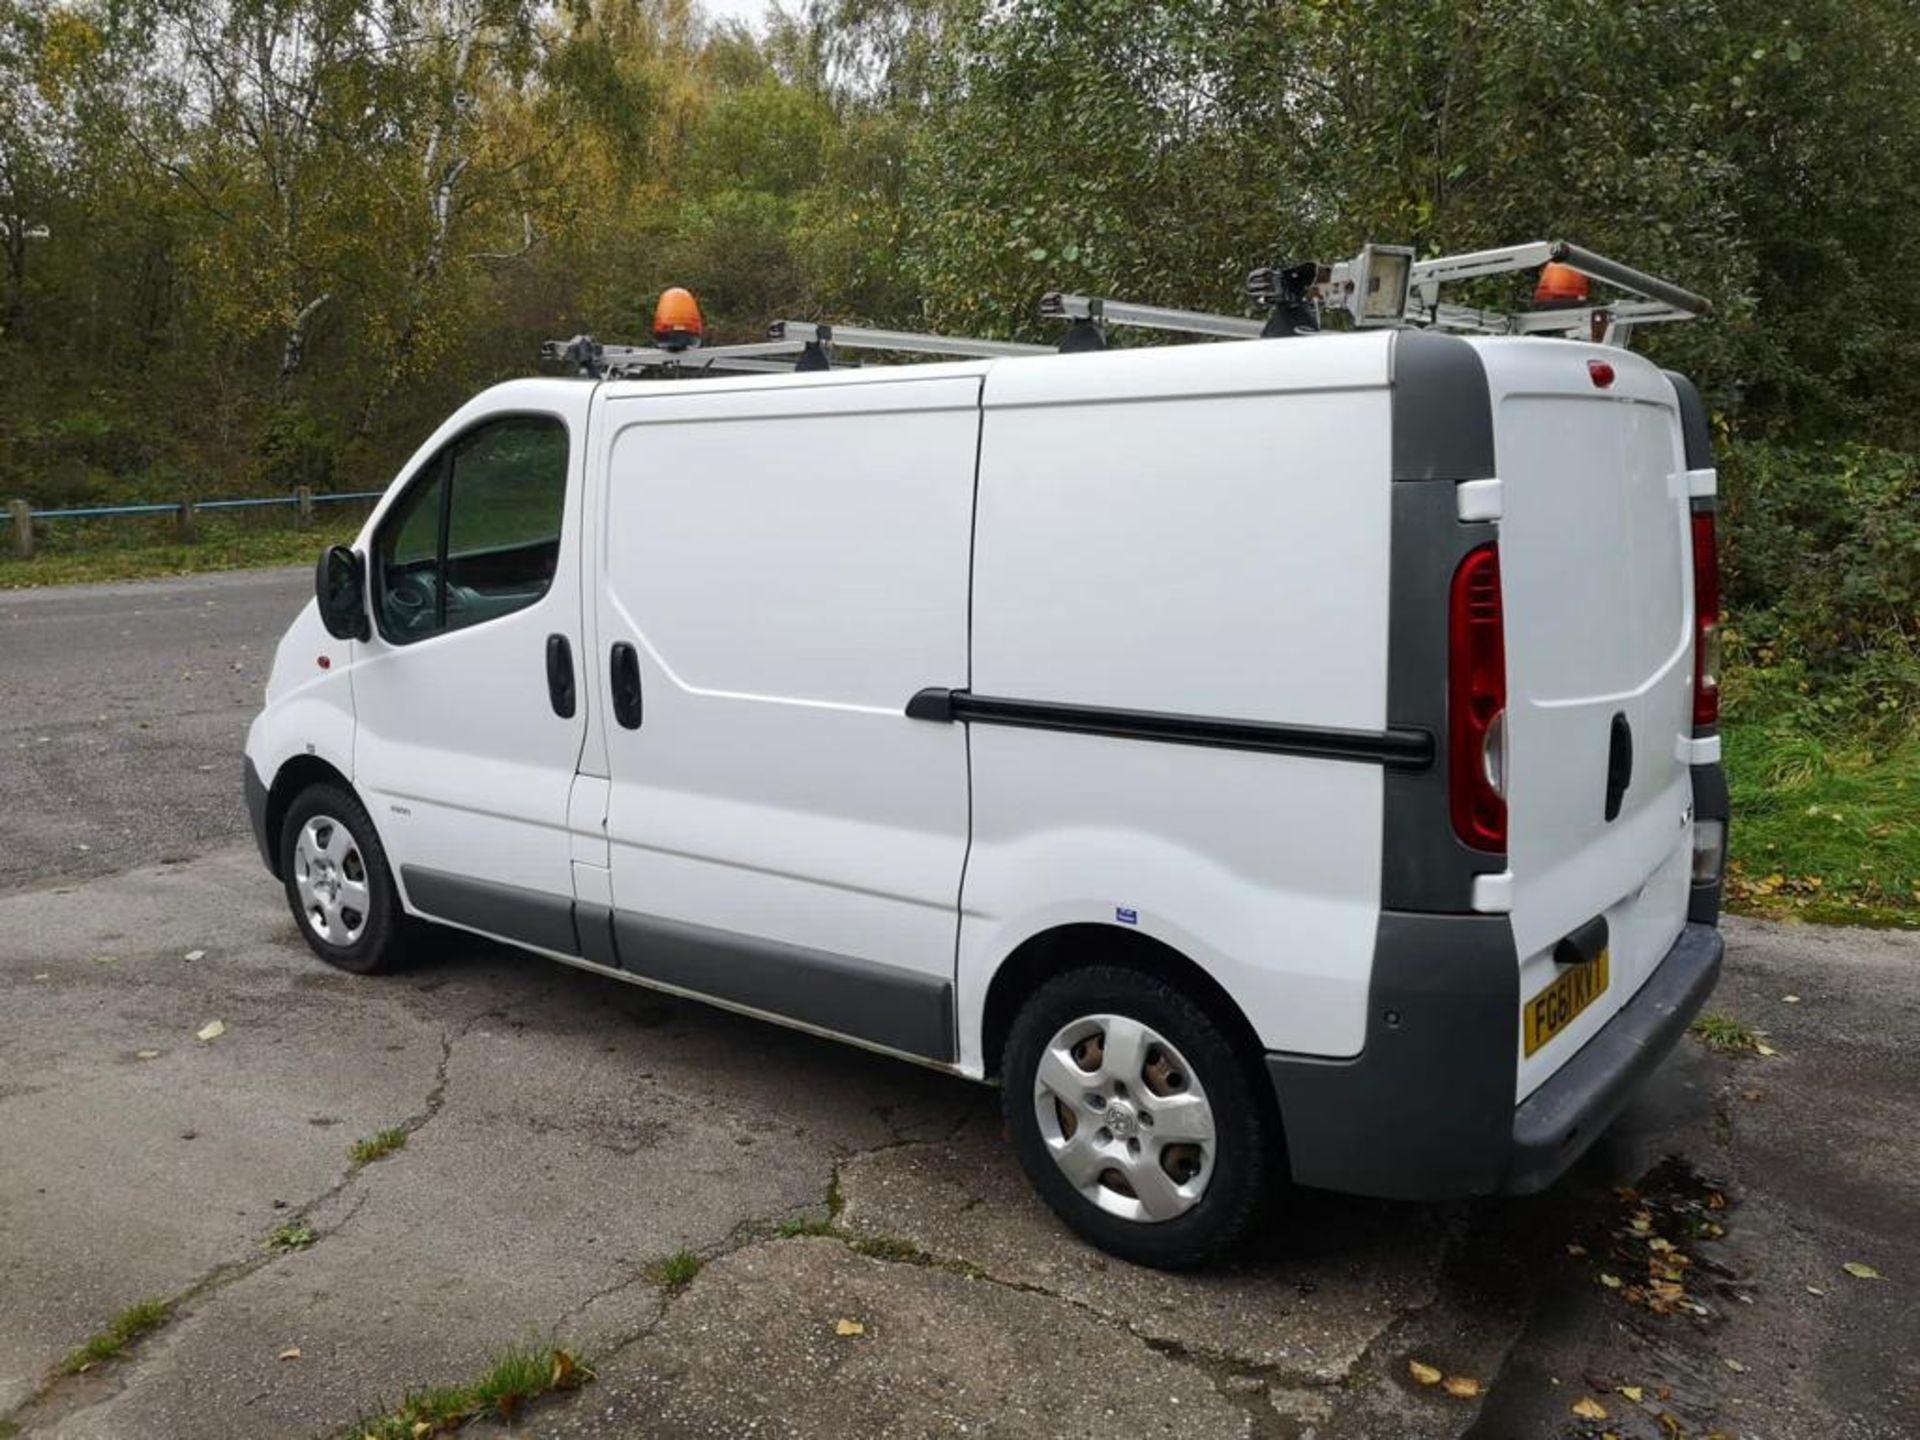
(1135, 1117)
(338, 884)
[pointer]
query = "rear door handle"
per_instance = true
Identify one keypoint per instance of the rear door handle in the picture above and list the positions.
(1619, 764)
(626, 686)
(560, 675)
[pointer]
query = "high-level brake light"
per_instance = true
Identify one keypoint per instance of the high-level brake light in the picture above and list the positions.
(1477, 702)
(1706, 621)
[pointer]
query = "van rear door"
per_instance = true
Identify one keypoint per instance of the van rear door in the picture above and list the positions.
(1596, 584)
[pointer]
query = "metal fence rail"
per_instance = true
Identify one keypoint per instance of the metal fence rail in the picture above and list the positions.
(22, 517)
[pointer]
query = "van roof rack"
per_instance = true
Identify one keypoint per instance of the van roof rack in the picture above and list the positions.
(1383, 286)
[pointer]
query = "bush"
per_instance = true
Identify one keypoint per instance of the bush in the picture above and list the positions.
(1820, 562)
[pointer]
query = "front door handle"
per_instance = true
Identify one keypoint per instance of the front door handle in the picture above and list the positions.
(560, 675)
(626, 686)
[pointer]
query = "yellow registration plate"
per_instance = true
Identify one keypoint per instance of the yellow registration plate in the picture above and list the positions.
(1553, 1009)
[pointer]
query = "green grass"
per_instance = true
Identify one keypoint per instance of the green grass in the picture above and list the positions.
(676, 1270)
(377, 1147)
(128, 1326)
(1826, 824)
(1724, 1035)
(519, 1376)
(8, 1428)
(97, 552)
(285, 1239)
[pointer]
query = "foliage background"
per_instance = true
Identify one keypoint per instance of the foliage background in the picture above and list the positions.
(248, 244)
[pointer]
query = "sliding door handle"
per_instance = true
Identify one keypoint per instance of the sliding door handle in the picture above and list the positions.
(626, 686)
(560, 675)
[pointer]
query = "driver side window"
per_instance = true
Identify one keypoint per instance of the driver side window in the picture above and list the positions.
(477, 535)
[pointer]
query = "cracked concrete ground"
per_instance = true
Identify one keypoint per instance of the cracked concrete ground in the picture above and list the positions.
(565, 1132)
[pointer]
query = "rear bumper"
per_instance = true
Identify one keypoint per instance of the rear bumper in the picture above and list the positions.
(1426, 1111)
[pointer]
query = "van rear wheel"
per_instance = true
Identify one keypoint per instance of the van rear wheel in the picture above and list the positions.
(1134, 1116)
(337, 881)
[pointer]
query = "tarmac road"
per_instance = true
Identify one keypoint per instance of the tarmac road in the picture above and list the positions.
(566, 1132)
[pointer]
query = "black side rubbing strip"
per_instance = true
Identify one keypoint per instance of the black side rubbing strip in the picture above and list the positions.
(532, 917)
(1398, 748)
(900, 1009)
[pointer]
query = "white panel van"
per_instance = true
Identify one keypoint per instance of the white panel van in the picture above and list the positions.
(1293, 758)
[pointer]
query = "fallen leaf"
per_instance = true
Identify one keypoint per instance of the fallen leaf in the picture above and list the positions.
(194, 955)
(43, 975)
(1425, 1374)
(1734, 1365)
(1612, 1282)
(212, 1030)
(422, 1427)
(566, 1370)
(1860, 1270)
(292, 1352)
(848, 1327)
(1760, 1047)
(1791, 999)
(1815, 1290)
(1659, 1245)
(1588, 1408)
(1642, 1222)
(1632, 1392)
(1460, 1387)
(1576, 1249)
(146, 1054)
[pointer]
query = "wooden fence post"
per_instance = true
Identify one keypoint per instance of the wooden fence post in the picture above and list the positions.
(304, 495)
(189, 523)
(22, 528)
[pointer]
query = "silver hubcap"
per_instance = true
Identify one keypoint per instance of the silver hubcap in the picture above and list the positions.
(1125, 1118)
(331, 878)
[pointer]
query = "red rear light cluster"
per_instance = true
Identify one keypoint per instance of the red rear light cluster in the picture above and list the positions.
(1706, 621)
(1477, 702)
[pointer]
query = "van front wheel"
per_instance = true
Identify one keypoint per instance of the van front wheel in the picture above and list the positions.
(1134, 1117)
(338, 885)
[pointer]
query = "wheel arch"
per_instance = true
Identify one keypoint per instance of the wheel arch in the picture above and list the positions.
(301, 772)
(1054, 951)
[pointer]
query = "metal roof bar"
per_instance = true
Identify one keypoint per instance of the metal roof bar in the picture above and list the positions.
(1061, 305)
(862, 337)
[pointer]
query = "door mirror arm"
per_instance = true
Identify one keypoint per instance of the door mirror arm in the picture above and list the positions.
(340, 591)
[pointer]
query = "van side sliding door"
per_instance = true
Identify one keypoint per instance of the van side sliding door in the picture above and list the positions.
(781, 568)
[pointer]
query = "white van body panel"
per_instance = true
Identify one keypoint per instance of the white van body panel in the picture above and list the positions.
(1597, 577)
(1202, 534)
(458, 755)
(786, 605)
(309, 708)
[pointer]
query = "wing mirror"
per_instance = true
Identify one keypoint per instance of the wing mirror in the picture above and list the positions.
(340, 589)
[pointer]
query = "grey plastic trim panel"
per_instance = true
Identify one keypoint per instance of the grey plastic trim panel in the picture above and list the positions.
(1711, 801)
(593, 927)
(1425, 866)
(1696, 431)
(1442, 409)
(1425, 1110)
(532, 917)
(897, 1009)
(255, 790)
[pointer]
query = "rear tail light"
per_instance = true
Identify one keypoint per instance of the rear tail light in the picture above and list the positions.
(1709, 850)
(1706, 621)
(1477, 702)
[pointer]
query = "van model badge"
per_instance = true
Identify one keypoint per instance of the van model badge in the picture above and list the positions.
(1126, 916)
